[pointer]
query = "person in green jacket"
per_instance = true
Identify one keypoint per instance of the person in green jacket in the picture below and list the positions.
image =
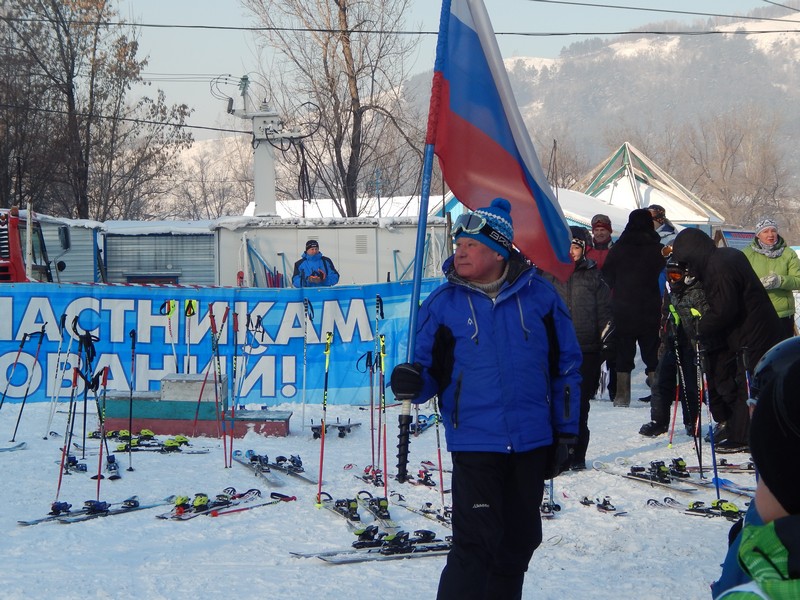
(778, 267)
(769, 551)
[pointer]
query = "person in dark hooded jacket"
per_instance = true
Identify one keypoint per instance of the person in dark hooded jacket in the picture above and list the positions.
(589, 301)
(739, 315)
(632, 271)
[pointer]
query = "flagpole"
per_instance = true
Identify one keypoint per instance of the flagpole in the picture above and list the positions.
(404, 419)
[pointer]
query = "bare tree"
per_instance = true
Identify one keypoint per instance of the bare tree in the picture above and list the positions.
(215, 181)
(107, 152)
(734, 163)
(348, 60)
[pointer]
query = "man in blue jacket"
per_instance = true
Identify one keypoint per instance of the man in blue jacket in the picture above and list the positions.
(497, 345)
(313, 269)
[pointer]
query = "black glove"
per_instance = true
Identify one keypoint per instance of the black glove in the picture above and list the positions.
(560, 455)
(407, 381)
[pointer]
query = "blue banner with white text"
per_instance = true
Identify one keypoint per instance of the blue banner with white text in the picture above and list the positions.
(269, 342)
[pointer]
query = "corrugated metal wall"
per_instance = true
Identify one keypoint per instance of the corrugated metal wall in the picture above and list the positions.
(80, 259)
(188, 259)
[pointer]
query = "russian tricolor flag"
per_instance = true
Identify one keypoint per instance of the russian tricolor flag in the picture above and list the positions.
(478, 134)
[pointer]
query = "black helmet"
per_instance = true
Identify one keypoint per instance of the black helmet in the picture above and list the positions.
(678, 274)
(775, 426)
(774, 365)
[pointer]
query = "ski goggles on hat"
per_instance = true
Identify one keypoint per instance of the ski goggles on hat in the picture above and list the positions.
(474, 224)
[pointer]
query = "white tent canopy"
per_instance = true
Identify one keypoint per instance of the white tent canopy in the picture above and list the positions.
(629, 180)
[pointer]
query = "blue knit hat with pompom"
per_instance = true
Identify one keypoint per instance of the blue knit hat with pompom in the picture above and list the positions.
(498, 217)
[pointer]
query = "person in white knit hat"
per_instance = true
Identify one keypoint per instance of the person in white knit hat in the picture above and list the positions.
(778, 267)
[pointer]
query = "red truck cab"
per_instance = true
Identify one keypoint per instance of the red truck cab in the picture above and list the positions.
(13, 243)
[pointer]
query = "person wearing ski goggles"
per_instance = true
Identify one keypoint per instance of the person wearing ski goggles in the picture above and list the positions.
(496, 344)
(476, 224)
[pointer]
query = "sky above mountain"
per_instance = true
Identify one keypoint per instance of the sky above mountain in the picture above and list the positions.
(183, 61)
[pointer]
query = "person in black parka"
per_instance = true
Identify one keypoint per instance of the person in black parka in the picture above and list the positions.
(589, 301)
(632, 271)
(739, 314)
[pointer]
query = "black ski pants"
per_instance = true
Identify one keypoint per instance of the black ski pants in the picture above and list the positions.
(626, 350)
(496, 524)
(666, 382)
(590, 377)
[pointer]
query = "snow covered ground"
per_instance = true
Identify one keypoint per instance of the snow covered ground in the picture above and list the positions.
(648, 553)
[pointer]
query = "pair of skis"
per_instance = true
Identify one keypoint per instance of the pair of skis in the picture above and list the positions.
(423, 543)
(92, 509)
(718, 508)
(228, 502)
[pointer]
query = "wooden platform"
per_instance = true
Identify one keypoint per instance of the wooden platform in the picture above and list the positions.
(187, 407)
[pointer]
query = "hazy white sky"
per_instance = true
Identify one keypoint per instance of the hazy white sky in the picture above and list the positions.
(176, 53)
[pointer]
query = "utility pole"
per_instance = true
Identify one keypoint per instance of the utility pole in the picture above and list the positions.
(267, 130)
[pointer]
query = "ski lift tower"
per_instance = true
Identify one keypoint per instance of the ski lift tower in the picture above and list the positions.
(267, 131)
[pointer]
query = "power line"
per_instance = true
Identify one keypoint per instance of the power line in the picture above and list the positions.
(667, 10)
(781, 5)
(126, 119)
(332, 31)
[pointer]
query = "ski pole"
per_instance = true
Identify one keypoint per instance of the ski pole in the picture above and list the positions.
(25, 336)
(308, 315)
(59, 374)
(370, 367)
(382, 414)
(703, 369)
(29, 378)
(439, 450)
(86, 345)
(215, 335)
(234, 387)
(168, 309)
(132, 335)
(378, 366)
(103, 441)
(189, 311)
(328, 340)
(67, 435)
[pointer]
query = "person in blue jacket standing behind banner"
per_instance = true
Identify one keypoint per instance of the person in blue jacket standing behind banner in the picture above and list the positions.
(314, 269)
(496, 343)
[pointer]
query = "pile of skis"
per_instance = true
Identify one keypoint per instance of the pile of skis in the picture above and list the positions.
(228, 502)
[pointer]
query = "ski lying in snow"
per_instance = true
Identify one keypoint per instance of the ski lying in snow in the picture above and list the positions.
(641, 474)
(604, 505)
(723, 466)
(343, 428)
(378, 507)
(14, 448)
(677, 471)
(718, 508)
(292, 466)
(97, 509)
(347, 508)
(443, 516)
(123, 447)
(276, 499)
(423, 544)
(186, 508)
(60, 510)
(259, 464)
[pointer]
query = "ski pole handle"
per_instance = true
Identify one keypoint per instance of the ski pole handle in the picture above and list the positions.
(282, 497)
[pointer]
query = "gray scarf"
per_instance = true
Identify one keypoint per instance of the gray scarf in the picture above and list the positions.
(773, 251)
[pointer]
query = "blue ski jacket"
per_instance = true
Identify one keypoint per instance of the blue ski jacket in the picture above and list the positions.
(314, 265)
(507, 369)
